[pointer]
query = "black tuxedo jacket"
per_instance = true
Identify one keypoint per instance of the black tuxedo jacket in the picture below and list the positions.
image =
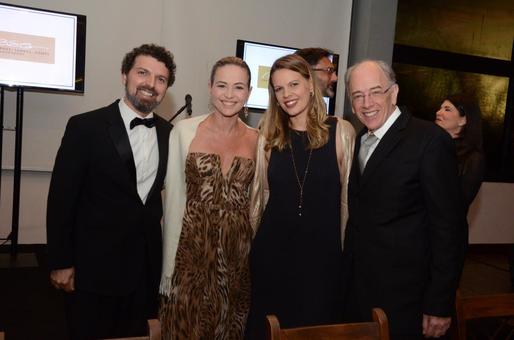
(96, 221)
(406, 219)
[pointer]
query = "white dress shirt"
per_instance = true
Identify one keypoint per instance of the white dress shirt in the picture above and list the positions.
(145, 150)
(381, 131)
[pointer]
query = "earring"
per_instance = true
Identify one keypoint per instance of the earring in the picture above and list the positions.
(245, 111)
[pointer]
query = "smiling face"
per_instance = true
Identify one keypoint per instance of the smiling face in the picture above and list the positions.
(372, 95)
(325, 79)
(229, 90)
(293, 92)
(145, 84)
(448, 117)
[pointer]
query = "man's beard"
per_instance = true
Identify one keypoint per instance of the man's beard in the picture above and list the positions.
(329, 92)
(144, 106)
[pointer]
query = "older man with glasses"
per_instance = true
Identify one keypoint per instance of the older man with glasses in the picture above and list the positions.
(406, 217)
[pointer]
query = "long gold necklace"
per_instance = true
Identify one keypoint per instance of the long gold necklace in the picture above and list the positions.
(301, 183)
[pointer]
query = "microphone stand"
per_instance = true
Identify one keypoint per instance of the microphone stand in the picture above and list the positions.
(178, 112)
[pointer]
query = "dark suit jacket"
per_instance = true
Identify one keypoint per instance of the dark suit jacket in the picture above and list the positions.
(406, 220)
(96, 221)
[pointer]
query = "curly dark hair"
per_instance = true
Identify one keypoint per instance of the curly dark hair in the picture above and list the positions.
(158, 52)
(314, 54)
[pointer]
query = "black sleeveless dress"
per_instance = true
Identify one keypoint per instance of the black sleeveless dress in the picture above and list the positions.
(296, 261)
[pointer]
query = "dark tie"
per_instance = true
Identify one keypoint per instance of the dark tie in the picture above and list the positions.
(148, 122)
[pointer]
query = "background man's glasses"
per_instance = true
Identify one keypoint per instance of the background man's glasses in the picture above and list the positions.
(329, 70)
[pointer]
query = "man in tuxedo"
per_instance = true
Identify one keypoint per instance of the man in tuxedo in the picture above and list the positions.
(324, 71)
(403, 242)
(104, 204)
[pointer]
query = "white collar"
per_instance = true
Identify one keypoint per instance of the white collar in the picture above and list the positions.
(381, 131)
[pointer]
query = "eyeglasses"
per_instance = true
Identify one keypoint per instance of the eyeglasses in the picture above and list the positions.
(375, 95)
(329, 69)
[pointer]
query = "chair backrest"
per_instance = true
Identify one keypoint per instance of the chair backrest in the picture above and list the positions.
(378, 329)
(154, 332)
(482, 306)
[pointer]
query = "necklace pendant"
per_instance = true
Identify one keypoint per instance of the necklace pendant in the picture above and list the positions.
(301, 183)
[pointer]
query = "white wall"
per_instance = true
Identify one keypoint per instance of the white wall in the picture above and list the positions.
(33, 192)
(491, 216)
(113, 27)
(201, 32)
(198, 32)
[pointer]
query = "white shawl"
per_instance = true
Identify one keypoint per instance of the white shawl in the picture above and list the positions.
(181, 137)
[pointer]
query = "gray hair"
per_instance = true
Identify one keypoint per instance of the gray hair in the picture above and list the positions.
(385, 67)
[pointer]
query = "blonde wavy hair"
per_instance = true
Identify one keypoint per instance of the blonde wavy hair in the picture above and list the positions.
(275, 124)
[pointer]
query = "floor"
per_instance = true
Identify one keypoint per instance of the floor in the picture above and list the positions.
(30, 309)
(486, 271)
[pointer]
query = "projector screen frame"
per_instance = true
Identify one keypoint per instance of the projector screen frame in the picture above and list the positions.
(240, 52)
(80, 54)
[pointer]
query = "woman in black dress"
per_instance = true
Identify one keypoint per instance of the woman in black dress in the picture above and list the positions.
(460, 117)
(299, 204)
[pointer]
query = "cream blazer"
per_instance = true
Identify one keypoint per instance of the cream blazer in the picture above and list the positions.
(260, 192)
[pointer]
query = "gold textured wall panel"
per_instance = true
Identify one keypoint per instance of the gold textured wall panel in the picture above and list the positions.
(422, 90)
(475, 27)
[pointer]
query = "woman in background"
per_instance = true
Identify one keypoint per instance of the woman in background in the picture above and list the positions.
(303, 162)
(207, 231)
(460, 117)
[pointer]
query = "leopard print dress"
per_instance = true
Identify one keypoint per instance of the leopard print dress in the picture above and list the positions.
(210, 286)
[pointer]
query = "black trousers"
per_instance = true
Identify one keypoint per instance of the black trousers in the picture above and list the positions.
(93, 316)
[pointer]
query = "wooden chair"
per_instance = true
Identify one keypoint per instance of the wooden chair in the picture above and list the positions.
(378, 329)
(481, 306)
(2, 336)
(154, 332)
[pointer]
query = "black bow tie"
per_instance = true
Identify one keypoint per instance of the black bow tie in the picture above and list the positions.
(148, 122)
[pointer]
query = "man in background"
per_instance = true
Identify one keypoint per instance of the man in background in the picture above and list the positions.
(324, 70)
(404, 236)
(104, 204)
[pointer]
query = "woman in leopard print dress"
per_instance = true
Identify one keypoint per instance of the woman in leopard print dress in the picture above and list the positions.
(207, 232)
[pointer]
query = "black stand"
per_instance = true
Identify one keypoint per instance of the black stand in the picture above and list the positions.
(17, 173)
(15, 259)
(178, 112)
(13, 236)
